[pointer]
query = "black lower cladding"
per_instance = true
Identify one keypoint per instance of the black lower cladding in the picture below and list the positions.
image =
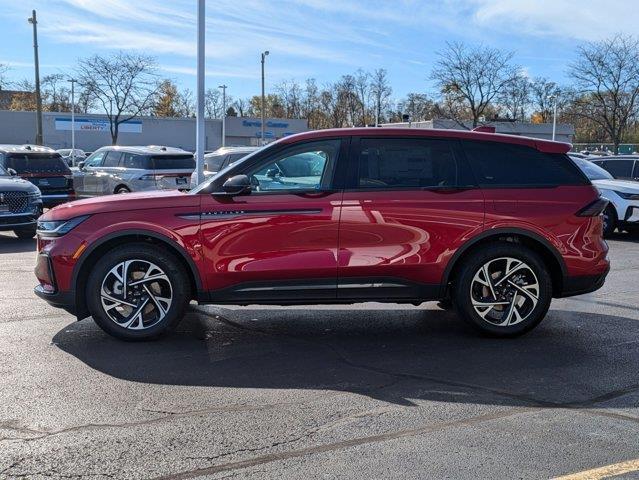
(10, 222)
(305, 291)
(578, 285)
(63, 300)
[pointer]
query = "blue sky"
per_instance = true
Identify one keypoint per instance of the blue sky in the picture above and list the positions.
(307, 38)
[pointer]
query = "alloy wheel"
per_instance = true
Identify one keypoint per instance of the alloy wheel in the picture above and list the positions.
(504, 291)
(136, 294)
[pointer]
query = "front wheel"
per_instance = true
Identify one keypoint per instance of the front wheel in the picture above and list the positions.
(121, 190)
(609, 221)
(137, 292)
(503, 290)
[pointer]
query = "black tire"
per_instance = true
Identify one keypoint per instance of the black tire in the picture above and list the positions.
(121, 189)
(172, 268)
(464, 281)
(25, 233)
(610, 221)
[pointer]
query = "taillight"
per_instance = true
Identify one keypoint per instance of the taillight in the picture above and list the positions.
(593, 209)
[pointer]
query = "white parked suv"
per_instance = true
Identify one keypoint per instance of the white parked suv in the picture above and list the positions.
(222, 158)
(623, 210)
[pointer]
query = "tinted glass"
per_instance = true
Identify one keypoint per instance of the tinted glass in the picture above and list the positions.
(234, 157)
(636, 173)
(3, 172)
(503, 165)
(112, 159)
(173, 162)
(592, 171)
(131, 160)
(213, 163)
(37, 163)
(303, 167)
(406, 163)
(619, 168)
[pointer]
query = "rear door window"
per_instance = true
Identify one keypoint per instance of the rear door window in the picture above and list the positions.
(505, 165)
(131, 160)
(112, 159)
(395, 163)
(214, 163)
(95, 160)
(619, 168)
(173, 162)
(37, 163)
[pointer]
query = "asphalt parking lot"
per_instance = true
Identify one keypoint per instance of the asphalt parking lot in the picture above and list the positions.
(369, 391)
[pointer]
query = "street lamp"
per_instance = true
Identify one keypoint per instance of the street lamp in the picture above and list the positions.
(33, 21)
(72, 81)
(264, 55)
(200, 133)
(554, 116)
(223, 87)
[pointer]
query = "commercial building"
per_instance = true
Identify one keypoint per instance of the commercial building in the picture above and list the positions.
(564, 132)
(92, 131)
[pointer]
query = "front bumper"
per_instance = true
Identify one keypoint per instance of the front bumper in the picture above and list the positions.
(63, 300)
(53, 199)
(581, 284)
(11, 221)
(632, 215)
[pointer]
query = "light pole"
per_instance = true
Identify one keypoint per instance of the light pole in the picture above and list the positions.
(223, 87)
(264, 55)
(33, 21)
(72, 81)
(200, 138)
(554, 117)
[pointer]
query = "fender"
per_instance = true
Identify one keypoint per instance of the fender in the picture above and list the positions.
(149, 233)
(503, 231)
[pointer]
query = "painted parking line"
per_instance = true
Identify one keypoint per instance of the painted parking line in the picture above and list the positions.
(604, 472)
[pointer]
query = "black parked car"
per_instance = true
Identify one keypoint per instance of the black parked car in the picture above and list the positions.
(42, 166)
(20, 204)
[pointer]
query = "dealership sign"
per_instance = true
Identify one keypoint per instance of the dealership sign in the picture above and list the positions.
(97, 125)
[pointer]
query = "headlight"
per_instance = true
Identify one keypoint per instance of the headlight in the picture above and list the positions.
(627, 196)
(59, 228)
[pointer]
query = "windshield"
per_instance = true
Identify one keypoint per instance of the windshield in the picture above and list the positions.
(592, 171)
(222, 172)
(3, 172)
(37, 163)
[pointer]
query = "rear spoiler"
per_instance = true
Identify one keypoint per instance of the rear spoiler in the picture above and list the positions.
(485, 129)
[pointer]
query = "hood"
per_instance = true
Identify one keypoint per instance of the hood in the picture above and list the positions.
(123, 203)
(17, 184)
(626, 186)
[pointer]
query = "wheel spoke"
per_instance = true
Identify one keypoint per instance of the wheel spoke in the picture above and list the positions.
(149, 279)
(157, 300)
(137, 316)
(117, 301)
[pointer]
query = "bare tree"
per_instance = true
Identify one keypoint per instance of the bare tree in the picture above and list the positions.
(361, 87)
(56, 96)
(380, 91)
(418, 106)
(4, 81)
(515, 97)
(124, 85)
(543, 95)
(606, 75)
(241, 106)
(186, 103)
(470, 79)
(213, 103)
(290, 93)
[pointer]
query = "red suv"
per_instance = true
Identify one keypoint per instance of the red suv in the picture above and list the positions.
(494, 225)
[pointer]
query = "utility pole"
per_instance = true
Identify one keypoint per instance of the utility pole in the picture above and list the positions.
(73, 81)
(200, 138)
(223, 87)
(264, 55)
(32, 20)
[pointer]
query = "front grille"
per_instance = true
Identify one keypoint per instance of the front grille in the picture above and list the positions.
(18, 202)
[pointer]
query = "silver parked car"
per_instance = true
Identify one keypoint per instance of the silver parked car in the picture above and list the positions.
(133, 169)
(72, 156)
(222, 158)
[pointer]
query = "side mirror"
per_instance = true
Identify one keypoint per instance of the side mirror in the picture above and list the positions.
(81, 165)
(237, 185)
(12, 172)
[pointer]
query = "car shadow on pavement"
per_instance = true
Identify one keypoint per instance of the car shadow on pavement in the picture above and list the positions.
(573, 359)
(12, 244)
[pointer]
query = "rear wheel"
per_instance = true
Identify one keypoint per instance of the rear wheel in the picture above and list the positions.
(122, 189)
(137, 292)
(609, 221)
(25, 233)
(503, 290)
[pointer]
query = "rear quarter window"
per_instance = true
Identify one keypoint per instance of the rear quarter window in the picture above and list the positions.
(503, 165)
(173, 162)
(37, 163)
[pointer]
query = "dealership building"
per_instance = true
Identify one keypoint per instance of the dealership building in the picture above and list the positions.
(92, 130)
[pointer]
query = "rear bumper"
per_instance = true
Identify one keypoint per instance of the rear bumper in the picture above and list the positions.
(578, 285)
